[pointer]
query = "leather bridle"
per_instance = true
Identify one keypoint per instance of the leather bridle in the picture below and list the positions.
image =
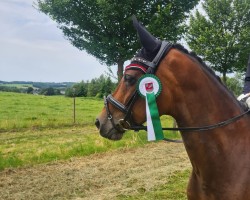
(150, 68)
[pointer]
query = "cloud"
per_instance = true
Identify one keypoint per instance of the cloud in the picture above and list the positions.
(32, 48)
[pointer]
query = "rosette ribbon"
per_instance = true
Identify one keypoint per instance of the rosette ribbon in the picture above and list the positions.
(149, 87)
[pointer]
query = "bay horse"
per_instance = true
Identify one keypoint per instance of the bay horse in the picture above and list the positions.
(194, 96)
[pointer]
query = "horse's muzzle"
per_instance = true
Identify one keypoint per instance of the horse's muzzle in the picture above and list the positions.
(97, 123)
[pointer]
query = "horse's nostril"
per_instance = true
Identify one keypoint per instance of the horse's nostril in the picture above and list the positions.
(97, 123)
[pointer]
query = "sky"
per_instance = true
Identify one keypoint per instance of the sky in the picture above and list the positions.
(33, 48)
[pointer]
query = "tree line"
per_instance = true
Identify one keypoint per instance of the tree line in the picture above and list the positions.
(97, 87)
(49, 91)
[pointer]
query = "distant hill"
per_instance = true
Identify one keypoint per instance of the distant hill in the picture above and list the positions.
(34, 87)
(39, 85)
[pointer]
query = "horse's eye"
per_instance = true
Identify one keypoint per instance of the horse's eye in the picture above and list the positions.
(129, 79)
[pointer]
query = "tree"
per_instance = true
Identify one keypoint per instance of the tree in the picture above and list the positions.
(30, 90)
(80, 89)
(50, 91)
(77, 90)
(109, 87)
(97, 87)
(93, 88)
(221, 34)
(104, 27)
(235, 84)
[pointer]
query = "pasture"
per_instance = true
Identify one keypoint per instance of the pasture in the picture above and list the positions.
(46, 156)
(20, 111)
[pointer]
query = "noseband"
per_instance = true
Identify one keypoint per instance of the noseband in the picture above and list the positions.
(150, 68)
(125, 123)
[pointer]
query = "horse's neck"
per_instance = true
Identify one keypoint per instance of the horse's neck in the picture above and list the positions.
(209, 103)
(195, 99)
(198, 98)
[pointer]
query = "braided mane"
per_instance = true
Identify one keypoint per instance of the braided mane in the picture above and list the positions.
(194, 55)
(208, 69)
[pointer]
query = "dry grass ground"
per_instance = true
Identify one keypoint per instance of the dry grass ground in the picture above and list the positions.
(111, 175)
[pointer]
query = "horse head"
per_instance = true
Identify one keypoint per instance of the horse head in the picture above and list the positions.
(124, 107)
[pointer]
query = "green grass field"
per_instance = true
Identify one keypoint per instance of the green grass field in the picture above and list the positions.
(38, 130)
(26, 148)
(19, 111)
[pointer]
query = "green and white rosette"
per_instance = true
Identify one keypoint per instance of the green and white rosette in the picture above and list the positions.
(149, 87)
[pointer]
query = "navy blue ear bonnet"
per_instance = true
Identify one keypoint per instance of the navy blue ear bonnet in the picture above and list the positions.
(149, 56)
(150, 45)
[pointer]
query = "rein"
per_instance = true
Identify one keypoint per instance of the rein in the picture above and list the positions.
(202, 128)
(125, 123)
(187, 129)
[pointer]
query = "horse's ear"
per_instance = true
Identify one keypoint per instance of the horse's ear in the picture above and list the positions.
(148, 41)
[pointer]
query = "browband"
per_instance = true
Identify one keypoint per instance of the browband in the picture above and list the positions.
(151, 66)
(136, 66)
